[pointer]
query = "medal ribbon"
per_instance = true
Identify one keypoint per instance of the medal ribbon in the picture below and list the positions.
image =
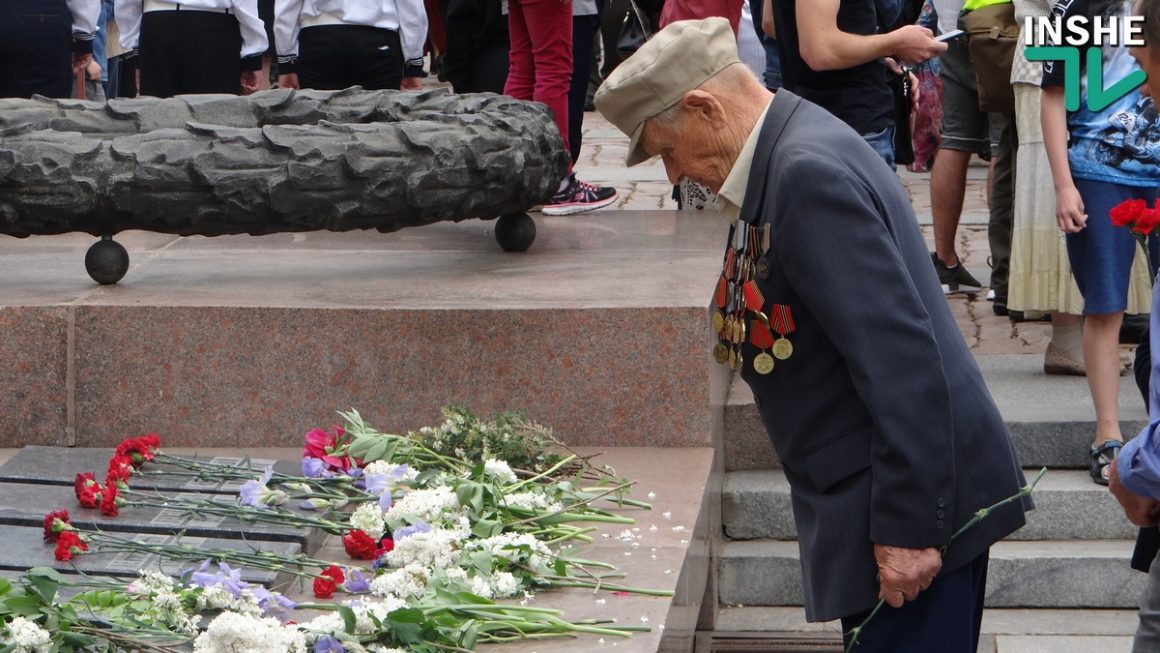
(759, 334)
(783, 320)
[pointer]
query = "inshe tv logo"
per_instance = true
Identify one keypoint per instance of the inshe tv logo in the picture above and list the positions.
(1076, 32)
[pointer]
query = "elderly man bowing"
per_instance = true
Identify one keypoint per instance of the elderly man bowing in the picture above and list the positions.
(830, 309)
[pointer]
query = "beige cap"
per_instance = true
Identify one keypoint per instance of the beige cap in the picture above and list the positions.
(676, 60)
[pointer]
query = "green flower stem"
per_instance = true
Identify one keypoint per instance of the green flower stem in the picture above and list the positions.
(271, 515)
(563, 515)
(568, 581)
(516, 487)
(258, 559)
(979, 516)
(620, 501)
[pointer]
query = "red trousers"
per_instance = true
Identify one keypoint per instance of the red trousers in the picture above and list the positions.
(541, 55)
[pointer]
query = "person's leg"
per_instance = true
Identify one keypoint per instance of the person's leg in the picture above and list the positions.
(549, 32)
(521, 76)
(210, 53)
(159, 57)
(490, 67)
(380, 56)
(584, 30)
(1002, 206)
(964, 133)
(1147, 638)
(322, 60)
(945, 618)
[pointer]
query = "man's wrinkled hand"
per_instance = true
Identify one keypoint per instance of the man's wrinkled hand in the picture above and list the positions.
(903, 573)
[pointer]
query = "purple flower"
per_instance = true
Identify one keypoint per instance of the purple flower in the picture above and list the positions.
(328, 644)
(273, 604)
(315, 468)
(408, 531)
(255, 493)
(357, 583)
(385, 501)
(227, 578)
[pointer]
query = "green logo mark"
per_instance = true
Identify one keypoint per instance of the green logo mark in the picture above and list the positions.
(1098, 97)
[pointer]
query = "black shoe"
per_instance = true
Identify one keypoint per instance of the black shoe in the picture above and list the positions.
(1000, 308)
(956, 279)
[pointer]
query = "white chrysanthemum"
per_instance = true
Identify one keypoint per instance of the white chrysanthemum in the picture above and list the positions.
(368, 518)
(27, 637)
(537, 501)
(504, 584)
(481, 587)
(151, 582)
(366, 612)
(231, 632)
(326, 624)
(428, 505)
(401, 473)
(401, 583)
(522, 549)
(500, 470)
(436, 549)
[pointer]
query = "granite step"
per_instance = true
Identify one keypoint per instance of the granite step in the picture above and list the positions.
(1047, 574)
(1051, 418)
(755, 505)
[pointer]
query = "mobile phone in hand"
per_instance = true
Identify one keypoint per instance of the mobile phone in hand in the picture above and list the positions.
(949, 36)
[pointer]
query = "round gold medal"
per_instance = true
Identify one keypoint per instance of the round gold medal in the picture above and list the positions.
(721, 353)
(763, 363)
(718, 322)
(782, 349)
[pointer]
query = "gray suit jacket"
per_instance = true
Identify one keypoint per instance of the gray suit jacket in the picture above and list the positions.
(881, 418)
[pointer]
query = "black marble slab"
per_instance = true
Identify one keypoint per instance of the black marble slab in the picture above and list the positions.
(60, 465)
(26, 505)
(24, 548)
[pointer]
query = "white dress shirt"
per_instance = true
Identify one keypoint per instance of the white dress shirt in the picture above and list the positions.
(407, 17)
(254, 41)
(85, 14)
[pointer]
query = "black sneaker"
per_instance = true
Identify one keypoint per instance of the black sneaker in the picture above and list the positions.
(578, 196)
(956, 279)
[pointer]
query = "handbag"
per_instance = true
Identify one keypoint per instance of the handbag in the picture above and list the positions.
(992, 35)
(641, 24)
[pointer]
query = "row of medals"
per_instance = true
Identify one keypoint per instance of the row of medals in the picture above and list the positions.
(737, 295)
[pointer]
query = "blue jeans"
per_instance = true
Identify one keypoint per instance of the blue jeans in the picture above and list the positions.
(883, 144)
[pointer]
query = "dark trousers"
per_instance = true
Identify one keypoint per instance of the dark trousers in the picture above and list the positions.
(184, 52)
(584, 30)
(35, 49)
(944, 619)
(332, 57)
(1002, 210)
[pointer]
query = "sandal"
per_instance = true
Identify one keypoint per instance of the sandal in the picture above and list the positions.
(1102, 457)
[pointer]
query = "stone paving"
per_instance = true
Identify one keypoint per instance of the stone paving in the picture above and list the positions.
(647, 187)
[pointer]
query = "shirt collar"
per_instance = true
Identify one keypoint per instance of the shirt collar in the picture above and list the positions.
(732, 192)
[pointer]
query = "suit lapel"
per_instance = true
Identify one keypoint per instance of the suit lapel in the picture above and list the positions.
(783, 106)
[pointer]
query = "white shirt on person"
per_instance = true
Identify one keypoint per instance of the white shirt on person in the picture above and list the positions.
(254, 41)
(407, 17)
(85, 14)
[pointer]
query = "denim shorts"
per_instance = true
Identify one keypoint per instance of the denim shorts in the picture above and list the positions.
(883, 144)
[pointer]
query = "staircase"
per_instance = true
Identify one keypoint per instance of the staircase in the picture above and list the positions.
(1069, 560)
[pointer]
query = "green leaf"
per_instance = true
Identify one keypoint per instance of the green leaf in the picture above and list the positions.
(560, 567)
(349, 621)
(26, 606)
(376, 451)
(407, 625)
(5, 586)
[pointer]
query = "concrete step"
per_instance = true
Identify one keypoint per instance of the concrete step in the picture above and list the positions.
(1051, 574)
(1004, 630)
(1051, 418)
(755, 505)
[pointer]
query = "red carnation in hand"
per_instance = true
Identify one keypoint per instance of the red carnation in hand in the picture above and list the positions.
(69, 545)
(88, 490)
(386, 545)
(55, 523)
(109, 499)
(120, 469)
(328, 581)
(322, 444)
(359, 545)
(1127, 212)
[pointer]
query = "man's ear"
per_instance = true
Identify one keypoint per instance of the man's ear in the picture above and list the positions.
(705, 106)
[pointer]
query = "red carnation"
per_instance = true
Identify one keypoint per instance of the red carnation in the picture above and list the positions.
(88, 490)
(359, 545)
(1127, 212)
(328, 581)
(120, 469)
(386, 545)
(109, 499)
(55, 523)
(1148, 220)
(322, 444)
(139, 449)
(69, 545)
